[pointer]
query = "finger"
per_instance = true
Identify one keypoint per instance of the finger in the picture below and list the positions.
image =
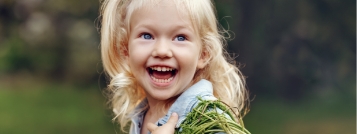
(173, 119)
(151, 127)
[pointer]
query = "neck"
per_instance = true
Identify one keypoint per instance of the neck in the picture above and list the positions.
(158, 108)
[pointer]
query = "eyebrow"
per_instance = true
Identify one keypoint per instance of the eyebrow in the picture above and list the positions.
(175, 28)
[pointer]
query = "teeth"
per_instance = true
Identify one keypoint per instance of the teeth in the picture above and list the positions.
(163, 69)
(162, 80)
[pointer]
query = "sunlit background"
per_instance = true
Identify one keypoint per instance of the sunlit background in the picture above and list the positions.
(299, 58)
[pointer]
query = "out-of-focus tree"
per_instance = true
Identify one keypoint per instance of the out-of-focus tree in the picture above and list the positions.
(289, 48)
(293, 48)
(56, 40)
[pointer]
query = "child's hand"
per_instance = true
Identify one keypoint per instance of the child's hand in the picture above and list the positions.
(168, 128)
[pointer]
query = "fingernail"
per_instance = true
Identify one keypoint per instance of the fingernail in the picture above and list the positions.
(174, 114)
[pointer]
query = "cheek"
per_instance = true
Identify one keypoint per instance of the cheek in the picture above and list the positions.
(189, 62)
(132, 58)
(137, 58)
(134, 52)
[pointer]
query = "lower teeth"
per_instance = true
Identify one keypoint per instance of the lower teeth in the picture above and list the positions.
(161, 80)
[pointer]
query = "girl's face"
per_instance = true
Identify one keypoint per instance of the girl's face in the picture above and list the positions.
(163, 51)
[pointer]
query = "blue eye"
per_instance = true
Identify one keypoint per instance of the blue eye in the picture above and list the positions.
(180, 38)
(146, 36)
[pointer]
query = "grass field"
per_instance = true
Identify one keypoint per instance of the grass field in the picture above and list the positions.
(336, 116)
(38, 108)
(44, 108)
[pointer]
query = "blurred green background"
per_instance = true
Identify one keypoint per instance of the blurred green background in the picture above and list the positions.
(299, 58)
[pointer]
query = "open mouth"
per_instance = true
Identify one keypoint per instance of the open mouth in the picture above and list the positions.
(162, 74)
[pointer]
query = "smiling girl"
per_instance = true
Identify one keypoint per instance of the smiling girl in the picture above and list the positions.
(164, 57)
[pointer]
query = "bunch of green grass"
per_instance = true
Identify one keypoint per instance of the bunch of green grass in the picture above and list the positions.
(210, 117)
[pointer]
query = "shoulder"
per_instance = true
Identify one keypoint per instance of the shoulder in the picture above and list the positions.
(185, 103)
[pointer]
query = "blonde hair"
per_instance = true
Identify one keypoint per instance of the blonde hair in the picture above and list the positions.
(227, 80)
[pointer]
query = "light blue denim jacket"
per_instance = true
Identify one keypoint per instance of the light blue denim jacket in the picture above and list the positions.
(182, 106)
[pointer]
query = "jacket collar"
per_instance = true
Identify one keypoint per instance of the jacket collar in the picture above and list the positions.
(187, 100)
(182, 106)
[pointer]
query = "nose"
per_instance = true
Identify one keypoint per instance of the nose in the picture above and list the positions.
(162, 49)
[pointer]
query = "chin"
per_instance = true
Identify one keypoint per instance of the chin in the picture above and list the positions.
(162, 98)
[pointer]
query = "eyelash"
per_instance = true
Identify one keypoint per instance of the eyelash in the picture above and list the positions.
(184, 37)
(145, 34)
(176, 38)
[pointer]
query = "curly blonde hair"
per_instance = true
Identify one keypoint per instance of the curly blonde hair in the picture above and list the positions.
(227, 80)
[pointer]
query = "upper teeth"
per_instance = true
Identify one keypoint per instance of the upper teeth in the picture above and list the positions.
(162, 68)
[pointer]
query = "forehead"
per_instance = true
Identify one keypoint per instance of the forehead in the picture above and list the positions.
(158, 9)
(137, 4)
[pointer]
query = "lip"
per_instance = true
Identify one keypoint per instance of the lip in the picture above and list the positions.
(158, 84)
(161, 65)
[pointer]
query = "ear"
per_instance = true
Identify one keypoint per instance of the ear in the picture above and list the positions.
(203, 60)
(124, 52)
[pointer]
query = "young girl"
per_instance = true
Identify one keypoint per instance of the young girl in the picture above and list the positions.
(164, 57)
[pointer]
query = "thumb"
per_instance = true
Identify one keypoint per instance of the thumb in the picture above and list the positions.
(167, 128)
(151, 127)
(173, 120)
